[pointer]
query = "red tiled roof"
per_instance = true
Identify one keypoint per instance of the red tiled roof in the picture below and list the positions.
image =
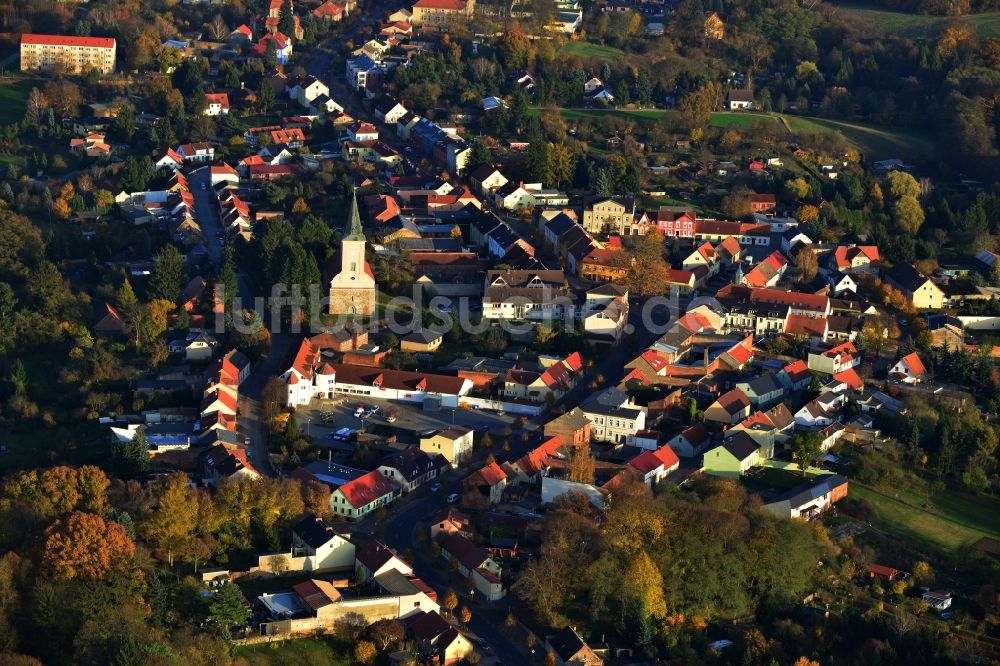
(733, 401)
(364, 490)
(813, 302)
(797, 370)
(803, 325)
(851, 378)
(740, 354)
(68, 40)
(454, 5)
(696, 434)
(913, 362)
(646, 462)
(316, 594)
(222, 99)
(490, 475)
(667, 456)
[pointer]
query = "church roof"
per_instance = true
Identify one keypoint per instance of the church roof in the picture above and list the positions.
(354, 232)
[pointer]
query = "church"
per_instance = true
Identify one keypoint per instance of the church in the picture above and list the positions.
(352, 289)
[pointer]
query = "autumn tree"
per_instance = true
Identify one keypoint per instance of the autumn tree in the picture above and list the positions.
(385, 633)
(171, 523)
(647, 274)
(923, 574)
(450, 600)
(806, 262)
(465, 615)
(365, 652)
(582, 465)
(86, 547)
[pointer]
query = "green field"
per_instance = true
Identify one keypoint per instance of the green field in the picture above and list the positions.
(887, 21)
(876, 143)
(591, 50)
(302, 652)
(944, 522)
(13, 95)
(740, 121)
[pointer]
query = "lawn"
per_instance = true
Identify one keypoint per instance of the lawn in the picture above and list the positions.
(302, 652)
(945, 522)
(591, 50)
(740, 121)
(595, 114)
(13, 95)
(874, 142)
(915, 26)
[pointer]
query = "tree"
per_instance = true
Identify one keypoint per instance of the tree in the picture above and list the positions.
(168, 275)
(229, 607)
(131, 458)
(806, 262)
(465, 615)
(286, 19)
(265, 97)
(923, 574)
(582, 465)
(385, 633)
(172, 522)
(365, 652)
(807, 446)
(807, 214)
(82, 546)
(908, 214)
(450, 600)
(795, 189)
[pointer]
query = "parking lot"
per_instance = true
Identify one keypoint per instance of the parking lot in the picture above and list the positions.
(410, 419)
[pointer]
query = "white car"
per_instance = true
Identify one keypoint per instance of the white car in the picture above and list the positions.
(453, 497)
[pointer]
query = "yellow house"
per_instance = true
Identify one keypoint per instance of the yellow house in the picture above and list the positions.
(919, 289)
(441, 13)
(424, 340)
(608, 214)
(714, 27)
(455, 444)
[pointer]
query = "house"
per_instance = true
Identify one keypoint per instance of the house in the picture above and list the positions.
(691, 441)
(196, 152)
(282, 47)
(93, 145)
(320, 544)
(484, 487)
(763, 390)
(908, 370)
(608, 214)
(359, 497)
(573, 427)
(834, 359)
(810, 498)
(740, 99)
(450, 521)
(654, 466)
(571, 650)
(795, 375)
(410, 468)
(438, 640)
(918, 289)
(330, 11)
(614, 416)
(513, 196)
(108, 322)
(728, 409)
(763, 203)
(454, 444)
(938, 600)
(855, 259)
(424, 340)
(375, 559)
(822, 411)
(217, 104)
(734, 456)
(487, 179)
(439, 14)
(888, 574)
(388, 111)
(221, 462)
(475, 562)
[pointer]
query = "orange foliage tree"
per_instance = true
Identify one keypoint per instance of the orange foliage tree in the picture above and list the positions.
(85, 546)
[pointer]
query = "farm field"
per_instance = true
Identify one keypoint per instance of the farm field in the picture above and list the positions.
(13, 95)
(740, 121)
(590, 50)
(945, 522)
(905, 24)
(874, 142)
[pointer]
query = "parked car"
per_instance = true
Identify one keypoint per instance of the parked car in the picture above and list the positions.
(436, 486)
(359, 412)
(453, 497)
(391, 418)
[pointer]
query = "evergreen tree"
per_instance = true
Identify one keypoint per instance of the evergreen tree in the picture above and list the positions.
(602, 184)
(132, 180)
(131, 458)
(126, 296)
(228, 607)
(265, 97)
(168, 275)
(286, 19)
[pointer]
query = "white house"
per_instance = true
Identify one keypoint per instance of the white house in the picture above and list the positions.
(196, 152)
(938, 600)
(514, 196)
(390, 112)
(592, 84)
(822, 411)
(375, 558)
(691, 441)
(217, 104)
(308, 89)
(321, 546)
(908, 370)
(614, 417)
(655, 465)
(357, 498)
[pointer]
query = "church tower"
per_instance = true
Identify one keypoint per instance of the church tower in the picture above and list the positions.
(353, 289)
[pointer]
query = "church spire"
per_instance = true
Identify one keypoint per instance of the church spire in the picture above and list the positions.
(354, 232)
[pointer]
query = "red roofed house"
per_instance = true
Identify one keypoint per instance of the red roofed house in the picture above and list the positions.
(224, 173)
(438, 14)
(475, 562)
(888, 574)
(282, 47)
(655, 465)
(356, 499)
(691, 441)
(217, 104)
(835, 359)
(439, 641)
(857, 259)
(171, 160)
(763, 203)
(529, 466)
(331, 11)
(795, 375)
(73, 54)
(375, 558)
(908, 370)
(849, 378)
(484, 487)
(225, 463)
(730, 408)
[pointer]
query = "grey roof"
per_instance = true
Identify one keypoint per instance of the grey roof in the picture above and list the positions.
(809, 490)
(741, 445)
(313, 531)
(566, 643)
(560, 224)
(411, 463)
(906, 276)
(354, 232)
